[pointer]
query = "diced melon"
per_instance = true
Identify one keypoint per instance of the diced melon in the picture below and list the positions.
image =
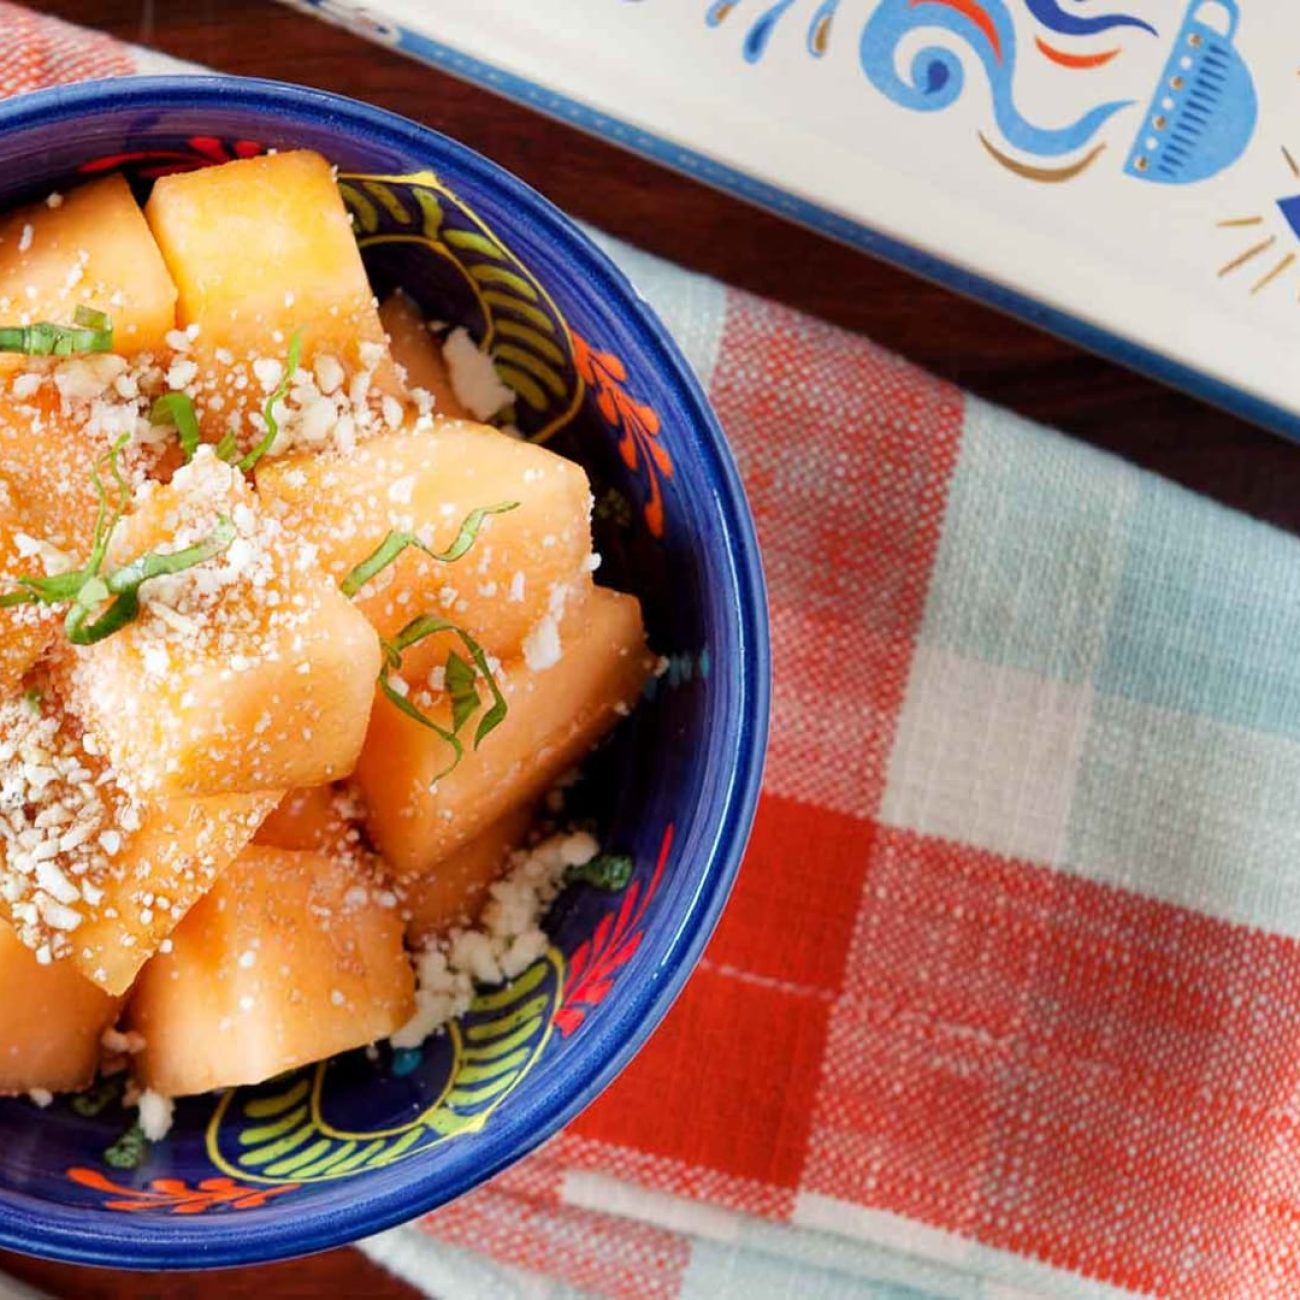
(260, 249)
(419, 354)
(25, 630)
(93, 250)
(525, 565)
(291, 958)
(250, 672)
(47, 458)
(87, 872)
(51, 1020)
(555, 716)
(182, 847)
(453, 891)
(319, 819)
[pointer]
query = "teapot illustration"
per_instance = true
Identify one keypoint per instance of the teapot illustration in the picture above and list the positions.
(1204, 108)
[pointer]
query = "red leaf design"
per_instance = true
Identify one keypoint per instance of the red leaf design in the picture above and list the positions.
(177, 1197)
(637, 423)
(614, 943)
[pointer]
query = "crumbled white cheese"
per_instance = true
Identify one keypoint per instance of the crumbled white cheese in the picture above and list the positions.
(542, 648)
(503, 943)
(474, 379)
(156, 1114)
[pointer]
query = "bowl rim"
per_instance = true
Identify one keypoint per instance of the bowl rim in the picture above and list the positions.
(594, 1060)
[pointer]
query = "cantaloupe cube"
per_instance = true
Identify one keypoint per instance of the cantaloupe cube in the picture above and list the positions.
(555, 716)
(260, 249)
(25, 630)
(291, 958)
(87, 872)
(419, 354)
(47, 456)
(250, 672)
(93, 250)
(181, 847)
(51, 1020)
(453, 891)
(525, 566)
(318, 819)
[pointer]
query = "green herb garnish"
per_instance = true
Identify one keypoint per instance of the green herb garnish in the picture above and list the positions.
(177, 409)
(609, 871)
(397, 541)
(90, 331)
(105, 1092)
(123, 585)
(87, 590)
(268, 411)
(460, 674)
(228, 449)
(460, 681)
(129, 1151)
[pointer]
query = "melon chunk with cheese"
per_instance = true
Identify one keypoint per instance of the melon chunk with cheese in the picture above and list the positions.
(291, 958)
(260, 249)
(526, 566)
(51, 1020)
(248, 672)
(25, 630)
(418, 352)
(47, 456)
(90, 875)
(92, 250)
(555, 716)
(318, 819)
(453, 891)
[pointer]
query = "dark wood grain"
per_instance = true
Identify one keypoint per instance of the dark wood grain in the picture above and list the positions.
(677, 218)
(339, 1274)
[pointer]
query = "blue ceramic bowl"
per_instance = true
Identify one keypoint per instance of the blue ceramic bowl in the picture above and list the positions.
(335, 1152)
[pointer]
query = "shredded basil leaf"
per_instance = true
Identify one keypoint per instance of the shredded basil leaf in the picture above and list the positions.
(397, 541)
(91, 331)
(177, 409)
(398, 700)
(460, 682)
(124, 584)
(228, 449)
(87, 590)
(268, 411)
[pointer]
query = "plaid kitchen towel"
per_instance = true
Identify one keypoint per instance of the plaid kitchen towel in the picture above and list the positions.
(1007, 1002)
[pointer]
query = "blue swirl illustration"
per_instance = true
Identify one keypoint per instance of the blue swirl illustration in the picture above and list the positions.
(936, 75)
(1052, 16)
(760, 33)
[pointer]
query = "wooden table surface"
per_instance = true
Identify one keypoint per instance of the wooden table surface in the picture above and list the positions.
(999, 359)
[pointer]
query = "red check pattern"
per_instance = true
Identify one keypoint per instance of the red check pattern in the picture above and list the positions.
(1045, 1067)
(36, 52)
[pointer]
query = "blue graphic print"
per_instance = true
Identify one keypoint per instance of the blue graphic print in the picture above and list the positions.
(1203, 112)
(937, 76)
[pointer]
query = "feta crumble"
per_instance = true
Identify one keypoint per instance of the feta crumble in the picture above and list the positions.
(474, 379)
(502, 944)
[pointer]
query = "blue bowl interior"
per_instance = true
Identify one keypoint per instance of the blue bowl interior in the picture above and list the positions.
(245, 1177)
